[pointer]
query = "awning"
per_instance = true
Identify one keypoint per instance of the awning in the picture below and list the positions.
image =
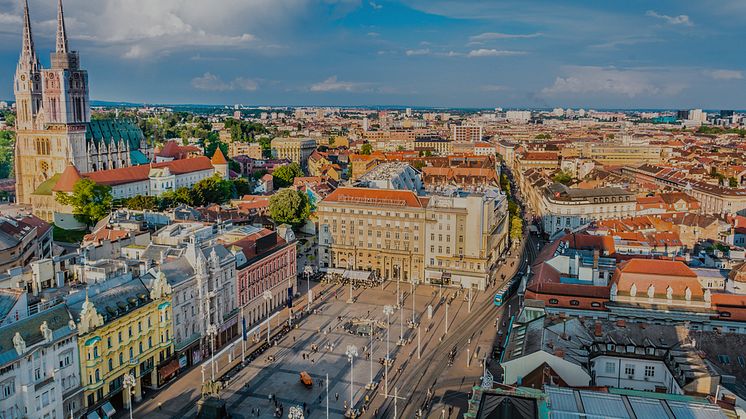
(108, 410)
(169, 369)
(93, 415)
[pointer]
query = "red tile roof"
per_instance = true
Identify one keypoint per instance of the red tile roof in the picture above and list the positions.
(218, 157)
(67, 179)
(131, 174)
(657, 267)
(376, 197)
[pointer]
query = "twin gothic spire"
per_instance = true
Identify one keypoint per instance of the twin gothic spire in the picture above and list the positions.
(28, 53)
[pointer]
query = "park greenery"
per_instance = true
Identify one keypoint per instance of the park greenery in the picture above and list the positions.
(366, 149)
(712, 130)
(284, 176)
(90, 201)
(289, 206)
(7, 143)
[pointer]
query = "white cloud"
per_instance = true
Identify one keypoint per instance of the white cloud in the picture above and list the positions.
(211, 82)
(375, 5)
(373, 34)
(421, 51)
(671, 20)
(9, 19)
(614, 81)
(725, 74)
(484, 52)
(491, 36)
(333, 84)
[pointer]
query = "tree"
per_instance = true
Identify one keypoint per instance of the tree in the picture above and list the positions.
(90, 201)
(366, 149)
(732, 182)
(283, 176)
(289, 206)
(505, 183)
(516, 228)
(241, 187)
(212, 143)
(211, 190)
(142, 203)
(543, 136)
(7, 143)
(562, 177)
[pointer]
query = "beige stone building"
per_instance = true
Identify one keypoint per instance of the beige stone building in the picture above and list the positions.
(441, 240)
(297, 150)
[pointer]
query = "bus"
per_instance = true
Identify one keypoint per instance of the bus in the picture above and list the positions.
(502, 295)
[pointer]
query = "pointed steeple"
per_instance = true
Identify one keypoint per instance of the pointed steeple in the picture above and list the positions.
(28, 54)
(61, 33)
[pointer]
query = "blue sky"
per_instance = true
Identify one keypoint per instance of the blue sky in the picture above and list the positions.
(471, 53)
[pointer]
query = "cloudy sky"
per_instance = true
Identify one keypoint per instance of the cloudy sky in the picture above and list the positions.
(472, 53)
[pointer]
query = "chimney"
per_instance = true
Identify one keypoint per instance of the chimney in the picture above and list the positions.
(620, 323)
(598, 331)
(595, 258)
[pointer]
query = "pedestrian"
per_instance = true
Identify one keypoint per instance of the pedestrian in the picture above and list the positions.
(336, 396)
(160, 405)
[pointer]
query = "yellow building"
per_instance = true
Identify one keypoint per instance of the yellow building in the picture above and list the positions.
(123, 328)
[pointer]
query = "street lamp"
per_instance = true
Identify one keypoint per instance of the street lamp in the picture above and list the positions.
(370, 354)
(388, 311)
(414, 308)
(307, 271)
(212, 331)
(398, 295)
(401, 326)
(447, 304)
(267, 295)
(129, 384)
(351, 354)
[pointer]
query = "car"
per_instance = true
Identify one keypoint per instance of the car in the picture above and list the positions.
(306, 379)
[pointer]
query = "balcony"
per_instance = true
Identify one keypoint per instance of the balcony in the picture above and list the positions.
(134, 361)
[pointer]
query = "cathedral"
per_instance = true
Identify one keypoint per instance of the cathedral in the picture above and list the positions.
(53, 122)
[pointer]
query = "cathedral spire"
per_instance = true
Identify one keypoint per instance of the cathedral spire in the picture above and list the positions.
(61, 33)
(28, 54)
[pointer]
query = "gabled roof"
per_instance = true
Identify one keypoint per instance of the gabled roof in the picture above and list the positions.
(130, 174)
(110, 131)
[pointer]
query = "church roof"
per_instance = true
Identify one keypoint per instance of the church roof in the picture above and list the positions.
(110, 131)
(218, 157)
(67, 179)
(45, 188)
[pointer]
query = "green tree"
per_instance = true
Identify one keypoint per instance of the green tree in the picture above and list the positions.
(90, 201)
(505, 183)
(142, 203)
(516, 228)
(241, 187)
(283, 176)
(212, 190)
(366, 149)
(212, 143)
(732, 182)
(562, 177)
(7, 143)
(543, 136)
(289, 206)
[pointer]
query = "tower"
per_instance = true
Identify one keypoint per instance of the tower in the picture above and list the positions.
(53, 110)
(220, 163)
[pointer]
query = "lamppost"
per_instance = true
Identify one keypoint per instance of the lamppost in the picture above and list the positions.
(447, 304)
(414, 307)
(129, 384)
(401, 326)
(212, 331)
(398, 295)
(267, 295)
(351, 354)
(388, 311)
(370, 355)
(307, 271)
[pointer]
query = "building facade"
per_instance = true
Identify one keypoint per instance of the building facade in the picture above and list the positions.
(40, 370)
(297, 150)
(123, 328)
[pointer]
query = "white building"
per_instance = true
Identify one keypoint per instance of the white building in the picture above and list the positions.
(518, 117)
(40, 368)
(393, 175)
(569, 208)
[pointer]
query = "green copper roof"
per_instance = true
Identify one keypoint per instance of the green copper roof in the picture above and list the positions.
(138, 158)
(114, 130)
(46, 187)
